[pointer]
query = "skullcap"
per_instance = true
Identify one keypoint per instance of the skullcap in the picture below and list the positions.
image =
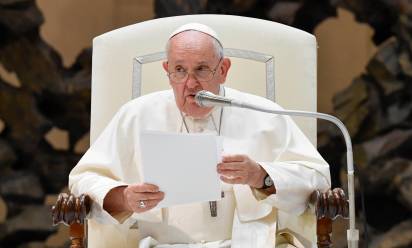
(196, 27)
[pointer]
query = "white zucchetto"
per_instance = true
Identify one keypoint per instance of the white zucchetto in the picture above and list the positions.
(196, 27)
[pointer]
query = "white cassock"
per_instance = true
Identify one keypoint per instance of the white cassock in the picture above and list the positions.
(246, 218)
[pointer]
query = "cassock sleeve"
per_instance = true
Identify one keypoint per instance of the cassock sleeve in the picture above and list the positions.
(104, 166)
(296, 168)
(297, 171)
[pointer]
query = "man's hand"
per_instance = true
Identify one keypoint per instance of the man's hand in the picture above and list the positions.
(240, 169)
(129, 198)
(134, 194)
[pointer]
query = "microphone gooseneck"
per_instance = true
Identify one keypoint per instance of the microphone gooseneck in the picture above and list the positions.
(208, 99)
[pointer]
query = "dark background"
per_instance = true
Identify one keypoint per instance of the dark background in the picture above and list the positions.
(51, 96)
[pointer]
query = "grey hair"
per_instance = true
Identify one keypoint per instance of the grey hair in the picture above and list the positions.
(216, 44)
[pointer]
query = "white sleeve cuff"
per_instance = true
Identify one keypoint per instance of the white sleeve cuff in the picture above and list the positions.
(294, 184)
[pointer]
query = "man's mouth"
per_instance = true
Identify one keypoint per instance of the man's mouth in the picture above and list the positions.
(190, 99)
(191, 95)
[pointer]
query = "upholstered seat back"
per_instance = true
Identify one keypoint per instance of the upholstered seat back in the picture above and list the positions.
(268, 59)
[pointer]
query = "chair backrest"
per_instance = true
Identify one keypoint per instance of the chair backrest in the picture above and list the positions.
(268, 59)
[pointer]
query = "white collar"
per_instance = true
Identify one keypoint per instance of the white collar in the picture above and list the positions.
(211, 120)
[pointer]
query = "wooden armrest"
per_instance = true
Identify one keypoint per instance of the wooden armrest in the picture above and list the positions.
(72, 211)
(328, 206)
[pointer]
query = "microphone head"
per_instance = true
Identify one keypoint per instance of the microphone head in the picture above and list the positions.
(202, 96)
(206, 99)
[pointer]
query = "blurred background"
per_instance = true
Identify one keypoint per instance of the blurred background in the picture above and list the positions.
(364, 78)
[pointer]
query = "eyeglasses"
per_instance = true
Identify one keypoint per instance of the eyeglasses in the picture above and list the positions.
(202, 74)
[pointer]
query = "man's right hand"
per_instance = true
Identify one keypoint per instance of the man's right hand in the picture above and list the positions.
(129, 198)
(141, 197)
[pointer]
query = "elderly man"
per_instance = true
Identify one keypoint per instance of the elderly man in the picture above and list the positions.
(267, 175)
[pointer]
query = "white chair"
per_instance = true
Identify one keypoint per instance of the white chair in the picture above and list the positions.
(268, 59)
(290, 66)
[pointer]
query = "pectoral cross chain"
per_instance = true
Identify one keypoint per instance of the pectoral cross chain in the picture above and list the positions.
(213, 206)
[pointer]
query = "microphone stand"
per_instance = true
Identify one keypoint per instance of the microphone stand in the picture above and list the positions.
(352, 233)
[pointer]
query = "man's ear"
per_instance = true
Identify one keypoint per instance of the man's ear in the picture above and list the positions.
(166, 66)
(224, 68)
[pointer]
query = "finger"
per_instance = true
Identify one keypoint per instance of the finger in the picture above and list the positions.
(230, 166)
(233, 174)
(149, 204)
(144, 187)
(232, 180)
(150, 196)
(133, 197)
(234, 158)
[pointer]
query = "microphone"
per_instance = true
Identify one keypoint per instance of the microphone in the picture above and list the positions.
(208, 99)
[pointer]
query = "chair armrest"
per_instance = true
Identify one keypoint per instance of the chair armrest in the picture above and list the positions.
(72, 211)
(328, 206)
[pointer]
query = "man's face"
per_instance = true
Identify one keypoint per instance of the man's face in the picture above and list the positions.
(193, 52)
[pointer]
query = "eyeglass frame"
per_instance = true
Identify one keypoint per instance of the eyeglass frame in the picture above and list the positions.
(187, 74)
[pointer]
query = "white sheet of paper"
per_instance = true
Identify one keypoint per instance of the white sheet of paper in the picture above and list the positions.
(182, 165)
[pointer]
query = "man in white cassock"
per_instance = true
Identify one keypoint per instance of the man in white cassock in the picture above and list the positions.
(268, 173)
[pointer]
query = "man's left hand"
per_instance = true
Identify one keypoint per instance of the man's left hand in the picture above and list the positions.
(240, 169)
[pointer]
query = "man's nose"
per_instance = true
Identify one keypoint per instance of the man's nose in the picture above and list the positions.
(192, 81)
